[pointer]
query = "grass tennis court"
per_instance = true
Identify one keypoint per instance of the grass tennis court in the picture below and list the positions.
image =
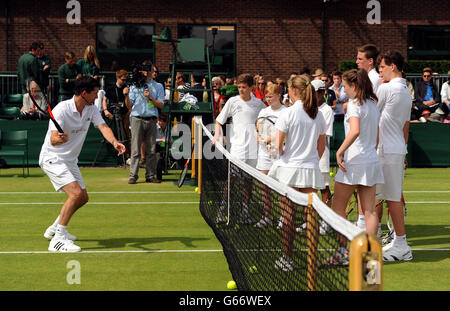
(152, 236)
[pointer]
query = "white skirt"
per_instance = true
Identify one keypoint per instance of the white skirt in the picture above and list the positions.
(361, 174)
(297, 177)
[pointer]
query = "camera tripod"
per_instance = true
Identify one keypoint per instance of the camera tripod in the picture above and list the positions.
(121, 137)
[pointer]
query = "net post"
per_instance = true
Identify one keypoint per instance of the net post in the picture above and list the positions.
(193, 143)
(366, 263)
(312, 238)
(200, 156)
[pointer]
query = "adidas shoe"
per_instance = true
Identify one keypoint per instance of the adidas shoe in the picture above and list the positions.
(391, 252)
(341, 258)
(63, 246)
(286, 265)
(50, 233)
(265, 221)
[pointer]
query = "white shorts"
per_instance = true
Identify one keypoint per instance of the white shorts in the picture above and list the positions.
(62, 173)
(264, 163)
(393, 169)
(297, 177)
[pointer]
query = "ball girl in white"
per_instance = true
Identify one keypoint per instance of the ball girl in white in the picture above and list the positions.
(359, 165)
(265, 159)
(303, 129)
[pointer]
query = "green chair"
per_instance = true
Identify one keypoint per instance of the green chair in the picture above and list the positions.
(15, 144)
(9, 113)
(191, 50)
(14, 100)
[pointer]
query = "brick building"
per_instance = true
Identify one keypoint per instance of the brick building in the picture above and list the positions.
(269, 37)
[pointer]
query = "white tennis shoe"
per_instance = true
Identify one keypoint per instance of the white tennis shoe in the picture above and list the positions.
(392, 252)
(50, 233)
(63, 246)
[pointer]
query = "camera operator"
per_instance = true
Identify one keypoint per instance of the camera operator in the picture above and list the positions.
(114, 106)
(145, 96)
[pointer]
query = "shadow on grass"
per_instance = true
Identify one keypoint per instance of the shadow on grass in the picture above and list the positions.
(141, 243)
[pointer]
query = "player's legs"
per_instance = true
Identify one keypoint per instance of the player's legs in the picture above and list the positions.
(396, 213)
(76, 198)
(366, 198)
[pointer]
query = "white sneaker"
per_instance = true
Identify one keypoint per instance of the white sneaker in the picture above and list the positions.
(50, 233)
(392, 252)
(265, 221)
(63, 246)
(287, 265)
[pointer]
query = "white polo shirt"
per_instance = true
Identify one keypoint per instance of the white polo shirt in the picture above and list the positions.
(327, 112)
(375, 79)
(76, 126)
(244, 114)
(394, 104)
(302, 134)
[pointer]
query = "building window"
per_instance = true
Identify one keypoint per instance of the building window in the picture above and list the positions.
(428, 42)
(121, 45)
(220, 41)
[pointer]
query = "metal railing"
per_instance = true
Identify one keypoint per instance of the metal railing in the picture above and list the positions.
(9, 83)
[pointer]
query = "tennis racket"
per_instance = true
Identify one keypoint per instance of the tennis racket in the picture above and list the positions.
(266, 131)
(50, 114)
(185, 169)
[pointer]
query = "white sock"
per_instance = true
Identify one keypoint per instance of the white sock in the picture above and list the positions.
(60, 231)
(400, 240)
(56, 222)
(361, 222)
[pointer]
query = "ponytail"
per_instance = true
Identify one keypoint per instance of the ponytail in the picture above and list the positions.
(306, 94)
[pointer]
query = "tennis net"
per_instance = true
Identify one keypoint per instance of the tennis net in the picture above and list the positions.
(301, 244)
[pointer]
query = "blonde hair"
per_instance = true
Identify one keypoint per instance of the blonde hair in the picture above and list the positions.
(91, 50)
(306, 94)
(273, 89)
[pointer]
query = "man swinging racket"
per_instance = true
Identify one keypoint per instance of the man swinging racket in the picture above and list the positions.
(59, 156)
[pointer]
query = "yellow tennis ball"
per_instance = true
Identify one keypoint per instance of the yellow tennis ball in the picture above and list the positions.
(231, 285)
(196, 189)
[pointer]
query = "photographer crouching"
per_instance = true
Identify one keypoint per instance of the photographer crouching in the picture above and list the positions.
(115, 108)
(145, 97)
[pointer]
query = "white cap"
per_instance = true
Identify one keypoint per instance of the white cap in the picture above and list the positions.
(318, 85)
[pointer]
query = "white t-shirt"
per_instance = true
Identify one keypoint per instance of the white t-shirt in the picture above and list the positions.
(362, 151)
(302, 132)
(268, 112)
(328, 115)
(445, 92)
(76, 126)
(394, 104)
(375, 79)
(242, 136)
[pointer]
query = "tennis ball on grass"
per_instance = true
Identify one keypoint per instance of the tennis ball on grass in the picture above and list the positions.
(332, 174)
(231, 285)
(196, 189)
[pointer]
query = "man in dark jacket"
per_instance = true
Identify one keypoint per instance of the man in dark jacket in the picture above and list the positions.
(426, 93)
(28, 68)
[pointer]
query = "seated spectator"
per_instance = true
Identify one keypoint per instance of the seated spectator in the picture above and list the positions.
(196, 83)
(317, 73)
(342, 98)
(259, 87)
(29, 110)
(161, 132)
(167, 88)
(427, 96)
(219, 100)
(89, 64)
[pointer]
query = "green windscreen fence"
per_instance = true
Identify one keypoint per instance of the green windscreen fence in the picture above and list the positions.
(427, 147)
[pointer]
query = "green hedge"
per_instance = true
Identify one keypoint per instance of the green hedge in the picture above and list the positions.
(411, 66)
